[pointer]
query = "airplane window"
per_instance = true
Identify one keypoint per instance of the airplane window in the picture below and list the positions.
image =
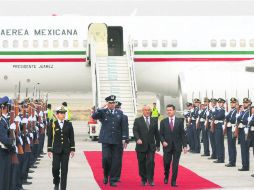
(65, 43)
(144, 43)
(174, 43)
(252, 43)
(5, 77)
(164, 43)
(242, 43)
(84, 43)
(223, 43)
(15, 43)
(135, 43)
(55, 44)
(45, 44)
(232, 43)
(154, 43)
(35, 43)
(213, 43)
(5, 44)
(25, 43)
(75, 43)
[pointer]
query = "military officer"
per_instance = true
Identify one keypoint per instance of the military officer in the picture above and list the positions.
(219, 116)
(209, 126)
(229, 131)
(112, 136)
(242, 126)
(187, 116)
(126, 128)
(194, 131)
(204, 129)
(251, 129)
(61, 145)
(7, 147)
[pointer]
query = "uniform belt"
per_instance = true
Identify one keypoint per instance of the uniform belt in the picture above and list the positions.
(218, 121)
(202, 120)
(241, 126)
(252, 128)
(230, 124)
(210, 120)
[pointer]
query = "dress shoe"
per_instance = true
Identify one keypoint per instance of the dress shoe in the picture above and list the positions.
(56, 187)
(151, 183)
(36, 163)
(212, 158)
(230, 165)
(29, 177)
(252, 175)
(40, 156)
(38, 159)
(30, 171)
(113, 184)
(218, 161)
(143, 182)
(20, 188)
(243, 169)
(34, 167)
(25, 182)
(165, 180)
(173, 184)
(105, 180)
(205, 155)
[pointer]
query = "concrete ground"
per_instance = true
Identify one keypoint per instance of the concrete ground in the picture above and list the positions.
(80, 175)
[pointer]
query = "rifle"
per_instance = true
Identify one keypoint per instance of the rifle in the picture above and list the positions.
(225, 122)
(14, 157)
(16, 113)
(27, 145)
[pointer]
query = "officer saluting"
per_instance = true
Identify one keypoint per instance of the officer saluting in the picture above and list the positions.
(112, 136)
(61, 144)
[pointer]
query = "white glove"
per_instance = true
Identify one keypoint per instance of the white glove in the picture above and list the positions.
(31, 135)
(237, 115)
(13, 126)
(42, 126)
(213, 109)
(223, 127)
(246, 129)
(16, 149)
(226, 113)
(199, 112)
(21, 141)
(30, 118)
(24, 121)
(17, 119)
(41, 114)
(36, 128)
(207, 113)
(34, 118)
(185, 113)
(249, 119)
(28, 140)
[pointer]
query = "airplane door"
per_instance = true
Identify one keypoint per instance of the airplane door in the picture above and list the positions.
(115, 41)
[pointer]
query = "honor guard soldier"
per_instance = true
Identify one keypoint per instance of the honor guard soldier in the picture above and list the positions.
(126, 128)
(194, 117)
(187, 116)
(203, 127)
(7, 147)
(211, 133)
(62, 145)
(218, 117)
(242, 125)
(112, 136)
(251, 129)
(229, 131)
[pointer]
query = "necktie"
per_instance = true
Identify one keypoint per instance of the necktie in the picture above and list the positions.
(111, 111)
(147, 122)
(171, 124)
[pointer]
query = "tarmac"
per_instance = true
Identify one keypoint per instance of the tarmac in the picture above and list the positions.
(80, 175)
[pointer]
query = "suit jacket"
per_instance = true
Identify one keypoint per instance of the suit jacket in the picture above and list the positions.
(177, 136)
(150, 138)
(61, 140)
(113, 126)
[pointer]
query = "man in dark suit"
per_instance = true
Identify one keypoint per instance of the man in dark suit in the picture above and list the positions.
(62, 145)
(112, 136)
(146, 134)
(174, 141)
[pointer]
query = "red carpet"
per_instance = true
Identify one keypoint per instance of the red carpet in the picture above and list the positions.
(130, 179)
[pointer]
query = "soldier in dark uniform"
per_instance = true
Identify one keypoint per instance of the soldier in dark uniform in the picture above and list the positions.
(112, 136)
(219, 116)
(251, 129)
(62, 145)
(229, 131)
(7, 147)
(242, 125)
(126, 128)
(203, 127)
(211, 133)
(187, 116)
(195, 132)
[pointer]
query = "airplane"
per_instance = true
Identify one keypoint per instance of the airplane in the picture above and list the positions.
(176, 58)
